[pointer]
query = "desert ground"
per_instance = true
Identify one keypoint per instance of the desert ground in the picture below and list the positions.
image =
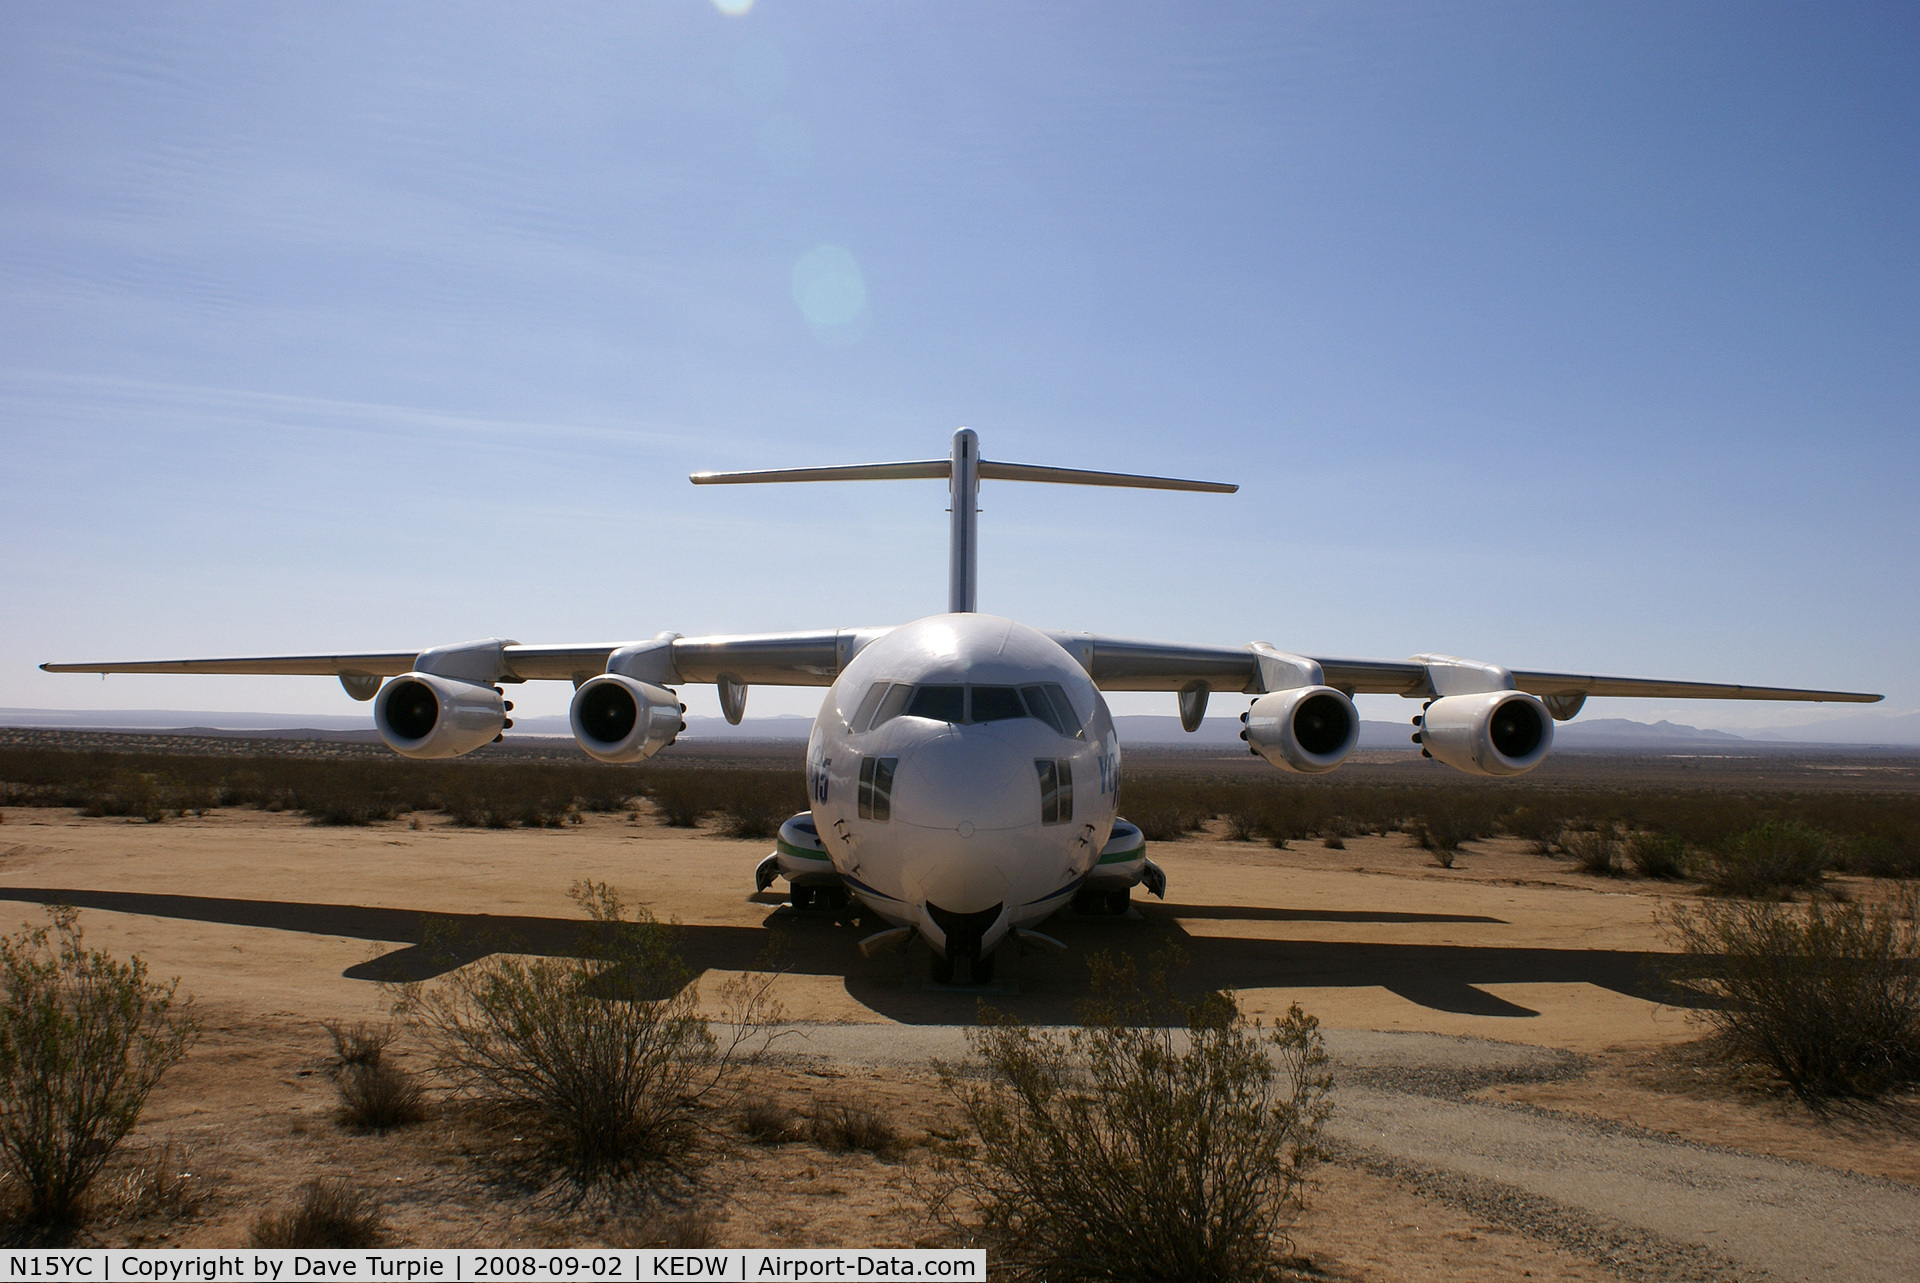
(1514, 1092)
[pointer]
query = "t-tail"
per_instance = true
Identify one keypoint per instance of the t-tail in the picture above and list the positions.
(963, 472)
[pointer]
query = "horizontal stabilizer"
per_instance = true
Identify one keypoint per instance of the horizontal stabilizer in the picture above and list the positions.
(987, 470)
(913, 471)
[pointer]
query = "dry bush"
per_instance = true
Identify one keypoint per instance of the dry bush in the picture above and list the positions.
(380, 1097)
(757, 803)
(1770, 860)
(1657, 855)
(1441, 832)
(766, 1121)
(681, 799)
(842, 1126)
(326, 1213)
(84, 1039)
(1597, 851)
(1128, 1148)
(375, 1093)
(1827, 995)
(666, 1228)
(359, 1043)
(1163, 811)
(605, 1054)
(158, 1185)
(1881, 855)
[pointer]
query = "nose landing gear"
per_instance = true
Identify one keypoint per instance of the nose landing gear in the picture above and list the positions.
(963, 963)
(965, 970)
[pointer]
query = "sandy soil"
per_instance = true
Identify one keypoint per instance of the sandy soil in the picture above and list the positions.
(275, 925)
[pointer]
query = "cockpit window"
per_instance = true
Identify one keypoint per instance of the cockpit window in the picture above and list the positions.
(939, 703)
(1050, 704)
(870, 702)
(893, 705)
(995, 704)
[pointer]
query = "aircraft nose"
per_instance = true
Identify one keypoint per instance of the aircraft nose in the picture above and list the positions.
(968, 781)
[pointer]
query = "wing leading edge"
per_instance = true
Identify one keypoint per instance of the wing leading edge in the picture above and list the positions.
(1114, 663)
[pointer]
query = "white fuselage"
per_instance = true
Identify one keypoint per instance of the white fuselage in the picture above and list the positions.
(973, 800)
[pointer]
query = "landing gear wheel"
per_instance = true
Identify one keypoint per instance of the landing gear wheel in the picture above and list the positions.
(942, 970)
(835, 898)
(983, 969)
(801, 897)
(1088, 902)
(1118, 902)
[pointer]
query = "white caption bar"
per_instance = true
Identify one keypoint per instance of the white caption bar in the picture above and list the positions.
(464, 1265)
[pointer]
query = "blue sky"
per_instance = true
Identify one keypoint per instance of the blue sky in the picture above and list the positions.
(1573, 337)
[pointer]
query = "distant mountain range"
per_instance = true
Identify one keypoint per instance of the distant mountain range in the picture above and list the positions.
(1217, 731)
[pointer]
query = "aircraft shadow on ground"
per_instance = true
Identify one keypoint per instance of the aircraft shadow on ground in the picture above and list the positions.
(1042, 986)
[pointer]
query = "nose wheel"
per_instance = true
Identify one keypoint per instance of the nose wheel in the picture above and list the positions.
(965, 969)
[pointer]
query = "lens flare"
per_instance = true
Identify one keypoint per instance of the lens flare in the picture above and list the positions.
(829, 289)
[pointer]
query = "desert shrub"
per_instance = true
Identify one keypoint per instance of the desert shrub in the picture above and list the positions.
(1657, 855)
(1826, 995)
(380, 1096)
(1441, 833)
(668, 1228)
(326, 1213)
(767, 1122)
(1597, 851)
(84, 1039)
(1769, 860)
(1164, 810)
(1882, 855)
(757, 803)
(158, 1184)
(359, 1043)
(1134, 1148)
(681, 798)
(606, 1053)
(842, 1125)
(1334, 842)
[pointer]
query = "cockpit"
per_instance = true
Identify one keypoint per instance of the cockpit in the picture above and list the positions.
(966, 705)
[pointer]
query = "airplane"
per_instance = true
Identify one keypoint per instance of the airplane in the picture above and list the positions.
(963, 773)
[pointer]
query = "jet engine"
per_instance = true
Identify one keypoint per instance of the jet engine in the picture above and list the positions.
(1307, 728)
(1492, 733)
(425, 715)
(618, 719)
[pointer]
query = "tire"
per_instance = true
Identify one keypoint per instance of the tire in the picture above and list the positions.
(983, 969)
(1118, 902)
(942, 970)
(801, 897)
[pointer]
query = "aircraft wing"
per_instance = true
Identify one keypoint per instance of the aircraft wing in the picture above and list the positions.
(816, 658)
(763, 659)
(1119, 663)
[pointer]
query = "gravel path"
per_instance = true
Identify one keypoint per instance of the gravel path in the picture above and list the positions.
(1649, 1206)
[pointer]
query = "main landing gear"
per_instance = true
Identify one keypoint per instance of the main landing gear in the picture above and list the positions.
(1097, 903)
(830, 899)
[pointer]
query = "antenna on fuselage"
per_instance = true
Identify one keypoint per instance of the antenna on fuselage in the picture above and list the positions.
(964, 470)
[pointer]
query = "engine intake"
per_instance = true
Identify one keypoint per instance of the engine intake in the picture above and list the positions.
(618, 719)
(424, 715)
(1493, 733)
(1308, 728)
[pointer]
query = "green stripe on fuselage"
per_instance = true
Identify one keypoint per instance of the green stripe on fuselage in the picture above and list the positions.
(799, 852)
(1121, 857)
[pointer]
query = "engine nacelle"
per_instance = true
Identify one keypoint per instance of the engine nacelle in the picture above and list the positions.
(1492, 733)
(1307, 728)
(425, 715)
(618, 719)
